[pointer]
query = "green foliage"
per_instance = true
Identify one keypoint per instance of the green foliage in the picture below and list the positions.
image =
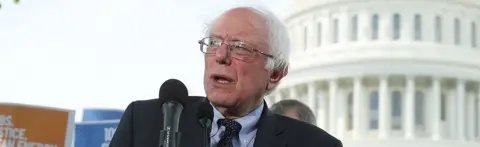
(14, 1)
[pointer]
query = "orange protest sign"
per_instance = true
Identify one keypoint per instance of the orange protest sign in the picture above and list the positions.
(26, 125)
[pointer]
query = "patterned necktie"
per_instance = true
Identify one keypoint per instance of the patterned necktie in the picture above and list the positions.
(232, 128)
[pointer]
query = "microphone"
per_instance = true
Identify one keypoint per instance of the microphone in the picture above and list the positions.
(174, 93)
(205, 117)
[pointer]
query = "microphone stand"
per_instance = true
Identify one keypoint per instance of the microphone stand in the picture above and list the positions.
(206, 138)
(206, 125)
(205, 117)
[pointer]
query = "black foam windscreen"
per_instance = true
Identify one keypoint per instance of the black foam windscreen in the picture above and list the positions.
(173, 89)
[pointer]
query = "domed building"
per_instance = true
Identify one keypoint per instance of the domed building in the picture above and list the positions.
(387, 72)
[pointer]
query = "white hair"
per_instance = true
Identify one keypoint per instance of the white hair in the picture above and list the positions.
(278, 39)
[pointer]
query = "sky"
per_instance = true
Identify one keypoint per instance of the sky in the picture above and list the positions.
(76, 54)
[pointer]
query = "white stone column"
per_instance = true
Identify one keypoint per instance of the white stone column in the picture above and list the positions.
(364, 26)
(344, 25)
(311, 96)
(461, 109)
(436, 109)
(349, 34)
(385, 26)
(326, 31)
(322, 115)
(278, 97)
(295, 32)
(332, 97)
(452, 114)
(293, 93)
(385, 109)
(409, 121)
(312, 32)
(428, 27)
(342, 115)
(448, 31)
(315, 32)
(358, 113)
(406, 26)
(478, 112)
(471, 116)
(465, 26)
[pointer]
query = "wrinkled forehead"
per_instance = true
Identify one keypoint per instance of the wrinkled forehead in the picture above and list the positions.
(242, 24)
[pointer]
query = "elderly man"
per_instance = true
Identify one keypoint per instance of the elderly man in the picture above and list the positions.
(294, 109)
(246, 51)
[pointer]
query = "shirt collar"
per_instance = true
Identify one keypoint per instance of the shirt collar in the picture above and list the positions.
(248, 122)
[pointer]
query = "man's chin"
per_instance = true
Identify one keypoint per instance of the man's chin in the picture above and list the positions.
(221, 102)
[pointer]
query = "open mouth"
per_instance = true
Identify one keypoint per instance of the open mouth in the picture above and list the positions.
(222, 79)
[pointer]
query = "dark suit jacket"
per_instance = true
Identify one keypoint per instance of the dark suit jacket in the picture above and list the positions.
(142, 121)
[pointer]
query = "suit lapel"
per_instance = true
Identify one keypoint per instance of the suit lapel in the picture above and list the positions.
(191, 131)
(268, 130)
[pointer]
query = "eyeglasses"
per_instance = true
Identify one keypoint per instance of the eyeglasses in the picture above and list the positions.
(238, 49)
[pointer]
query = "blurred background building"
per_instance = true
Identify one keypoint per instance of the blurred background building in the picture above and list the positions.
(388, 72)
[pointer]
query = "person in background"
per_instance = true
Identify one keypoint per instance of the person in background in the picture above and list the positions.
(294, 109)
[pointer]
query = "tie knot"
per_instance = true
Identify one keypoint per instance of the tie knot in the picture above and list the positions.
(232, 127)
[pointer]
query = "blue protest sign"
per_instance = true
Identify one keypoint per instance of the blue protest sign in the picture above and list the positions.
(95, 133)
(101, 114)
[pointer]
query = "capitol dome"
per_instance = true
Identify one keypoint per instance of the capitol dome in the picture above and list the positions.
(387, 72)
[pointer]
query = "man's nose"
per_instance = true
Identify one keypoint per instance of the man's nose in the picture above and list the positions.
(222, 55)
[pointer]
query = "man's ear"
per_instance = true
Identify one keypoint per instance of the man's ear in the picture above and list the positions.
(276, 76)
